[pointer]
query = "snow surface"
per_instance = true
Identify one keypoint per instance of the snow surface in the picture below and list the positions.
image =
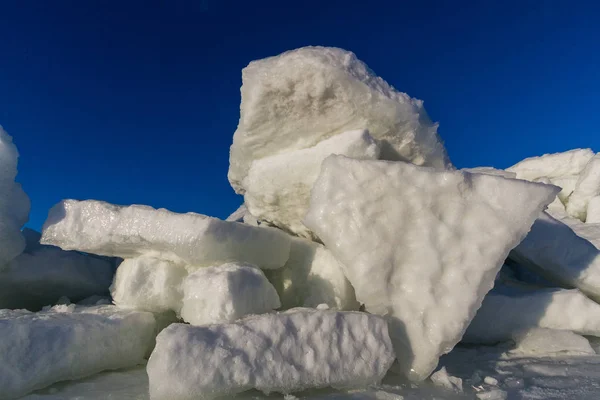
(286, 352)
(224, 293)
(299, 98)
(193, 239)
(507, 311)
(435, 242)
(593, 211)
(541, 341)
(277, 188)
(311, 277)
(14, 203)
(491, 171)
(68, 342)
(150, 284)
(588, 187)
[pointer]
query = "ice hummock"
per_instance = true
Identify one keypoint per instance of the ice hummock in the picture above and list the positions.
(435, 242)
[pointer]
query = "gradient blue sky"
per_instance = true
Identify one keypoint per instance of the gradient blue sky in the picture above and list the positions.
(137, 101)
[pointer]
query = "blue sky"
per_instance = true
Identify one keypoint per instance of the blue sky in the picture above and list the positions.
(137, 101)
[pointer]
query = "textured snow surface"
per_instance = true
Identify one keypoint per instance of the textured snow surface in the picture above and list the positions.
(286, 352)
(225, 293)
(43, 274)
(14, 203)
(312, 276)
(491, 171)
(301, 97)
(508, 310)
(68, 342)
(540, 341)
(435, 242)
(554, 251)
(587, 187)
(194, 239)
(278, 187)
(593, 211)
(556, 165)
(150, 284)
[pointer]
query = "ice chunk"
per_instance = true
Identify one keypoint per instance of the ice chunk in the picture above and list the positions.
(588, 187)
(506, 311)
(556, 165)
(541, 341)
(554, 251)
(42, 274)
(278, 187)
(285, 352)
(301, 97)
(593, 211)
(442, 379)
(238, 215)
(39, 349)
(567, 184)
(193, 239)
(435, 242)
(312, 276)
(150, 284)
(491, 171)
(225, 293)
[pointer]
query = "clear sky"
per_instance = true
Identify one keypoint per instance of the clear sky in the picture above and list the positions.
(137, 101)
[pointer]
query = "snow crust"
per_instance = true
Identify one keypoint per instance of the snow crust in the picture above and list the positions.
(225, 293)
(286, 352)
(587, 187)
(192, 239)
(277, 188)
(297, 99)
(436, 242)
(311, 277)
(68, 342)
(593, 211)
(555, 165)
(540, 341)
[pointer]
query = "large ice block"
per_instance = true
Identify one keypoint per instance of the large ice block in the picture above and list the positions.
(286, 352)
(299, 98)
(555, 165)
(421, 246)
(587, 187)
(593, 211)
(193, 239)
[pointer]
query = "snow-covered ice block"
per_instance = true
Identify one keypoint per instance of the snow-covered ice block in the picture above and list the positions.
(287, 352)
(312, 276)
(542, 341)
(14, 203)
(150, 284)
(42, 274)
(68, 342)
(507, 311)
(301, 97)
(555, 165)
(277, 188)
(588, 187)
(224, 293)
(421, 246)
(491, 171)
(593, 211)
(238, 215)
(567, 185)
(554, 251)
(192, 239)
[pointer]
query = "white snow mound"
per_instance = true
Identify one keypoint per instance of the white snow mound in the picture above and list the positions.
(421, 246)
(286, 352)
(299, 98)
(587, 187)
(541, 341)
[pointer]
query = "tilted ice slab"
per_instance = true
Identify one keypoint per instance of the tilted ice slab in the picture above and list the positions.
(150, 284)
(435, 242)
(286, 352)
(43, 274)
(14, 203)
(508, 310)
(224, 293)
(313, 276)
(491, 171)
(587, 187)
(68, 342)
(593, 211)
(193, 239)
(542, 341)
(278, 187)
(553, 250)
(299, 98)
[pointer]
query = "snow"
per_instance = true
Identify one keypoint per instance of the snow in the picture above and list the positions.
(541, 341)
(238, 215)
(312, 277)
(443, 379)
(491, 171)
(286, 352)
(277, 188)
(593, 211)
(299, 98)
(130, 231)
(150, 284)
(39, 349)
(14, 203)
(587, 187)
(43, 274)
(435, 242)
(556, 165)
(224, 293)
(554, 251)
(507, 311)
